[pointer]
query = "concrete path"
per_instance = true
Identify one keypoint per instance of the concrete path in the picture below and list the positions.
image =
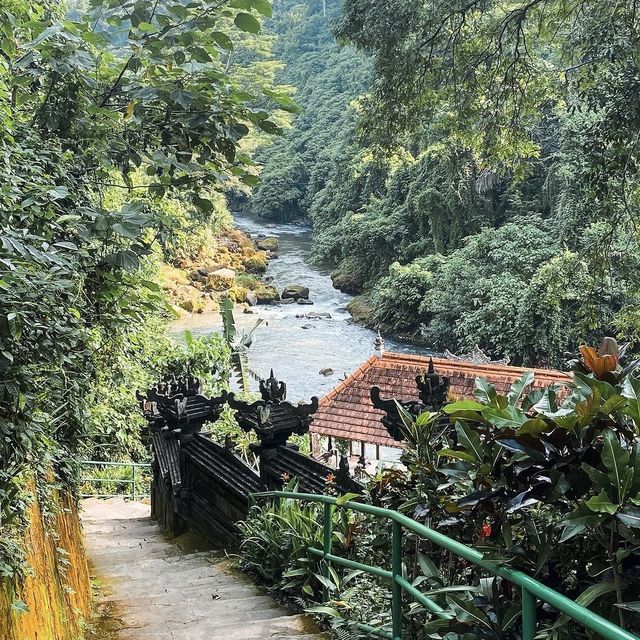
(179, 590)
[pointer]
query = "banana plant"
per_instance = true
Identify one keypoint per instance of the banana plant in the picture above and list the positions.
(239, 343)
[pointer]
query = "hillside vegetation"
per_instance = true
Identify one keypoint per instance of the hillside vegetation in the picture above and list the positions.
(472, 169)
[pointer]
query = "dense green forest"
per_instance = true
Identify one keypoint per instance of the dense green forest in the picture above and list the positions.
(123, 124)
(472, 168)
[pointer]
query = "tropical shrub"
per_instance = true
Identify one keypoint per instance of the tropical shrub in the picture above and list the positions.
(546, 481)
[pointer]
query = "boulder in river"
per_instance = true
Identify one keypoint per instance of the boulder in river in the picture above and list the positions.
(361, 310)
(318, 315)
(267, 294)
(252, 298)
(288, 301)
(296, 292)
(303, 301)
(270, 243)
(326, 372)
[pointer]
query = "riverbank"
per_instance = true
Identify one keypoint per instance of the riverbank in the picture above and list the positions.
(310, 346)
(233, 269)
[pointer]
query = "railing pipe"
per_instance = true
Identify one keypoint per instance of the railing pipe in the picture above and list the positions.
(326, 538)
(533, 588)
(529, 615)
(396, 587)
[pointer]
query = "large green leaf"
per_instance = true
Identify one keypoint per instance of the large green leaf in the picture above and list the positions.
(470, 440)
(246, 22)
(629, 516)
(519, 387)
(463, 405)
(616, 461)
(467, 612)
(602, 503)
(485, 391)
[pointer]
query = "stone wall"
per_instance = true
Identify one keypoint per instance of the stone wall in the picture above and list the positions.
(58, 591)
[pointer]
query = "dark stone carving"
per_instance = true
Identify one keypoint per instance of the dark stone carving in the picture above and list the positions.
(432, 396)
(198, 484)
(432, 388)
(272, 418)
(178, 405)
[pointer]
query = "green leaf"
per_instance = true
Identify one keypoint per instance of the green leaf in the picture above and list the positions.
(246, 22)
(485, 391)
(588, 597)
(346, 498)
(429, 569)
(508, 418)
(456, 455)
(324, 610)
(602, 504)
(470, 440)
(616, 460)
(19, 607)
(535, 427)
(463, 405)
(206, 206)
(269, 127)
(629, 516)
(519, 386)
(222, 40)
(467, 612)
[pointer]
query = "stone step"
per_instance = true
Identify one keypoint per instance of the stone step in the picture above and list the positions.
(160, 557)
(271, 629)
(163, 589)
(195, 611)
(207, 592)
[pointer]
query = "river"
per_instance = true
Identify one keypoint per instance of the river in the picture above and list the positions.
(298, 348)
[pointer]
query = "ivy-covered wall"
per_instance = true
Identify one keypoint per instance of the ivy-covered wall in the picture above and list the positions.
(57, 590)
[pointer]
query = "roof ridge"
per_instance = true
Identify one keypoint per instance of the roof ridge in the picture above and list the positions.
(415, 358)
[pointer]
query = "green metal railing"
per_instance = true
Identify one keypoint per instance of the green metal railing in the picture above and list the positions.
(132, 481)
(531, 589)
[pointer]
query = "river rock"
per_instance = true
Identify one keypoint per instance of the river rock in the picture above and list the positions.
(303, 301)
(318, 315)
(288, 301)
(270, 243)
(308, 326)
(361, 310)
(223, 274)
(346, 282)
(267, 295)
(326, 372)
(252, 298)
(201, 274)
(296, 292)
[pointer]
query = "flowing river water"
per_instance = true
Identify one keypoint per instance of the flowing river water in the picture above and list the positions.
(297, 347)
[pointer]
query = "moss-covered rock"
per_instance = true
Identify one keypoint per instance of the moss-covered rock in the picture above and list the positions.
(256, 263)
(346, 282)
(266, 294)
(296, 292)
(361, 310)
(267, 244)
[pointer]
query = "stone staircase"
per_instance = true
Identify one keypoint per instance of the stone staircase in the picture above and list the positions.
(177, 590)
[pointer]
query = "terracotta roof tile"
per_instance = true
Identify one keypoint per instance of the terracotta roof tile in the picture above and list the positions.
(347, 412)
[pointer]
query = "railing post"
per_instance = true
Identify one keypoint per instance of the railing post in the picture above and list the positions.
(396, 589)
(326, 546)
(133, 485)
(529, 615)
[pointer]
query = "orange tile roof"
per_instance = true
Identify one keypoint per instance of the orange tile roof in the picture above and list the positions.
(347, 412)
